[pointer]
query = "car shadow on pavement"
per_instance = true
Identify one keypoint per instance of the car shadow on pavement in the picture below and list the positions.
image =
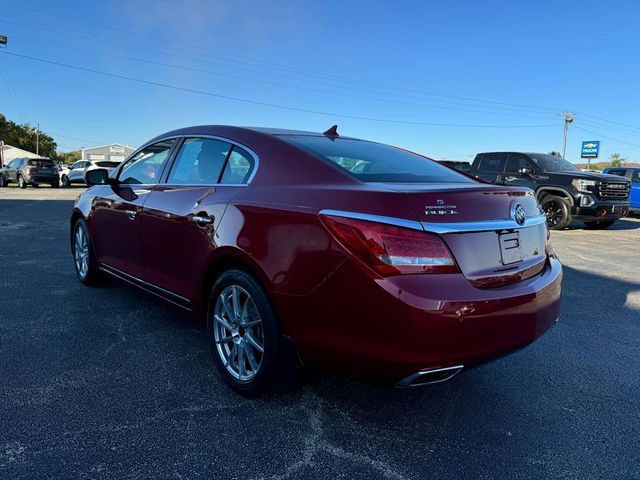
(544, 409)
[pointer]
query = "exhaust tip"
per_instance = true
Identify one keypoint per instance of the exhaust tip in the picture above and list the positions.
(430, 376)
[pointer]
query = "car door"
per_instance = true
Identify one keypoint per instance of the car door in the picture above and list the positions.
(635, 189)
(182, 214)
(513, 174)
(11, 173)
(76, 171)
(115, 221)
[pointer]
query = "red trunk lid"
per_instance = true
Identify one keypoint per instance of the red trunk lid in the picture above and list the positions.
(478, 224)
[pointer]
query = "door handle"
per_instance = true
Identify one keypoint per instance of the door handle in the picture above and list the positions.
(131, 214)
(202, 220)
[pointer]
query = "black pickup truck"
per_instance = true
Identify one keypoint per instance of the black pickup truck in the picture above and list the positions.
(564, 191)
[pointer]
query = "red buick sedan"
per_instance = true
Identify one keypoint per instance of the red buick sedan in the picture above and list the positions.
(345, 255)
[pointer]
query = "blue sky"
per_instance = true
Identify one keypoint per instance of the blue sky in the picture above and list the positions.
(509, 65)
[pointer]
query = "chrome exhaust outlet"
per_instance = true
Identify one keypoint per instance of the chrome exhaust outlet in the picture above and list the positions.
(430, 376)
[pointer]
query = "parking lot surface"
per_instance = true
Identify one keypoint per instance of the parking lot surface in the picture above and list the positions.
(112, 383)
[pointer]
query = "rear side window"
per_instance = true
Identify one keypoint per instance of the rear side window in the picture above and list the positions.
(375, 162)
(199, 162)
(146, 166)
(238, 168)
(39, 162)
(492, 162)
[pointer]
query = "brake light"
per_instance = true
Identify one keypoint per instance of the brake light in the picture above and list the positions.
(391, 250)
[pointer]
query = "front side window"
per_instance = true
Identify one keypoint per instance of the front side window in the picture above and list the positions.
(635, 178)
(551, 163)
(146, 166)
(375, 162)
(516, 162)
(199, 162)
(238, 168)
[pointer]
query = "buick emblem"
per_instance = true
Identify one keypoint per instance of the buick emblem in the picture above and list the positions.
(519, 214)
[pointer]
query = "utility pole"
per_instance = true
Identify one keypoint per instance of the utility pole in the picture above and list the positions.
(568, 118)
(38, 140)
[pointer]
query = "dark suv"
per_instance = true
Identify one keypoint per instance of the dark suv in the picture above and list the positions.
(30, 171)
(564, 191)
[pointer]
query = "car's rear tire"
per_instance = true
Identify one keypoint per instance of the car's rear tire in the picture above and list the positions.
(240, 323)
(557, 211)
(599, 224)
(21, 182)
(65, 181)
(84, 259)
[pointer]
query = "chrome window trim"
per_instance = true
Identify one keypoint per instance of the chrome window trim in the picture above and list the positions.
(441, 228)
(256, 160)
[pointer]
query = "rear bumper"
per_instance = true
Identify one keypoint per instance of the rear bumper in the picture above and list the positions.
(385, 330)
(47, 178)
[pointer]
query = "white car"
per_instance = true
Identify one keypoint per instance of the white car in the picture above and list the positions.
(77, 173)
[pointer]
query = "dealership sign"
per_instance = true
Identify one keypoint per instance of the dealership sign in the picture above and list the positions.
(590, 149)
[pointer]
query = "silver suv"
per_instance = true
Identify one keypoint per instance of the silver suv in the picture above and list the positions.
(78, 171)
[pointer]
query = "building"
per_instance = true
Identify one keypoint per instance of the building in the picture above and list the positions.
(112, 153)
(8, 153)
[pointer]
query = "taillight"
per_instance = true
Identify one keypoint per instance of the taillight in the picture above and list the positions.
(391, 250)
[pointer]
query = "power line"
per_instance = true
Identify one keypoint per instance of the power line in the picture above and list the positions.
(199, 70)
(604, 136)
(488, 103)
(266, 104)
(610, 121)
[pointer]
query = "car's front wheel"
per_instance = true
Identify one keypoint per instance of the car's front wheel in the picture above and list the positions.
(557, 212)
(83, 257)
(244, 333)
(3, 182)
(21, 182)
(65, 181)
(599, 224)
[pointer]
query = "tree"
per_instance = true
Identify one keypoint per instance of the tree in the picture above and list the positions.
(617, 160)
(68, 157)
(25, 137)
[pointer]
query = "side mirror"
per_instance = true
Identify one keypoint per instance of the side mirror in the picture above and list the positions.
(99, 176)
(526, 171)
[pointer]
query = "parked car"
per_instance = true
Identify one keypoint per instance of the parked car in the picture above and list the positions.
(77, 172)
(29, 171)
(346, 255)
(458, 165)
(565, 192)
(632, 174)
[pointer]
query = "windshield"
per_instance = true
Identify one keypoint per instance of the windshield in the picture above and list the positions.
(551, 163)
(375, 162)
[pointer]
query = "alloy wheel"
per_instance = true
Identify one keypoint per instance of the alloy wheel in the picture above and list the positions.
(553, 211)
(81, 251)
(238, 333)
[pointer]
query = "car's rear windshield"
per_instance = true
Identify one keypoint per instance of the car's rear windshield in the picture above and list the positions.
(40, 162)
(551, 163)
(375, 162)
(107, 164)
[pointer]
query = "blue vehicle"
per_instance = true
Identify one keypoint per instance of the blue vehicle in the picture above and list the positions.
(633, 174)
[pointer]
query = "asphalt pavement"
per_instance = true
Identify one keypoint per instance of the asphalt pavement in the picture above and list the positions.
(110, 383)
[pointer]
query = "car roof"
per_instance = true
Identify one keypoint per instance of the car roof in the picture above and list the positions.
(230, 129)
